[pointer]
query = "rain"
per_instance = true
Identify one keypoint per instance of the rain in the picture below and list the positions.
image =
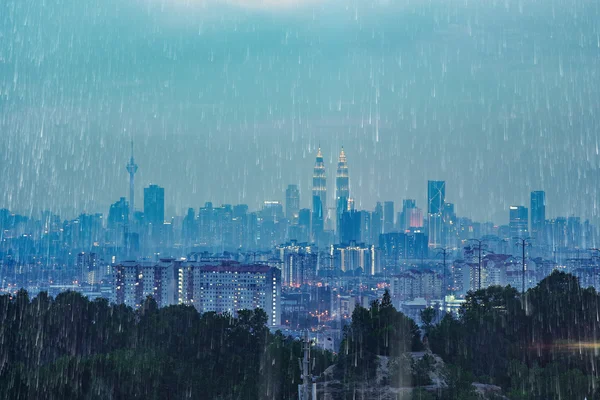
(299, 199)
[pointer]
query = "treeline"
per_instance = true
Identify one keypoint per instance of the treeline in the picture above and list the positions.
(380, 338)
(537, 345)
(73, 348)
(540, 345)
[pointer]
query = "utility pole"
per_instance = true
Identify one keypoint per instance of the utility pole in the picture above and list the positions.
(592, 259)
(307, 389)
(253, 254)
(479, 247)
(444, 252)
(523, 243)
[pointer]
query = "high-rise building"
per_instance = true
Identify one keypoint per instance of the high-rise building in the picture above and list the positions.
(404, 220)
(388, 217)
(352, 256)
(518, 221)
(189, 228)
(134, 281)
(400, 246)
(319, 197)
(154, 205)
(118, 214)
(272, 210)
(415, 218)
(239, 224)
(301, 231)
(207, 224)
(538, 214)
(366, 235)
(272, 228)
(574, 232)
(292, 203)
(449, 230)
(350, 226)
(376, 223)
(436, 198)
(222, 287)
(88, 266)
(230, 287)
(414, 283)
(299, 263)
(342, 187)
(131, 169)
(117, 224)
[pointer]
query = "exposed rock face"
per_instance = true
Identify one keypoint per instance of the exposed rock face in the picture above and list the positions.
(396, 379)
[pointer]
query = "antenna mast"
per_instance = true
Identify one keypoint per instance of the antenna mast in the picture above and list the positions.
(307, 390)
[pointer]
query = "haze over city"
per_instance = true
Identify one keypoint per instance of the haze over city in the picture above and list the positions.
(300, 199)
(229, 102)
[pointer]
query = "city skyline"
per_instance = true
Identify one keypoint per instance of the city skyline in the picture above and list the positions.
(300, 199)
(320, 169)
(237, 123)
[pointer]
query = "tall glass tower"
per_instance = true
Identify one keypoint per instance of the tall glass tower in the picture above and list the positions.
(292, 203)
(436, 197)
(342, 188)
(319, 195)
(154, 205)
(538, 214)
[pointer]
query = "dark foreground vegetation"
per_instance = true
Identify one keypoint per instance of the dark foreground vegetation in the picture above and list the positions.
(541, 345)
(73, 348)
(537, 346)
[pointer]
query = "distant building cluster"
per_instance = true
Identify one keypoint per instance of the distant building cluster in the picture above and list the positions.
(210, 287)
(305, 266)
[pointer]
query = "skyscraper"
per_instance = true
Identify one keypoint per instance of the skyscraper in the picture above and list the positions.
(377, 223)
(518, 221)
(342, 188)
(404, 220)
(449, 233)
(154, 205)
(118, 214)
(538, 213)
(132, 169)
(436, 197)
(388, 217)
(292, 203)
(118, 219)
(350, 226)
(319, 196)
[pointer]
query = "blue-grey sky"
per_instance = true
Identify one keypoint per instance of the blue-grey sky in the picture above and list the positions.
(227, 101)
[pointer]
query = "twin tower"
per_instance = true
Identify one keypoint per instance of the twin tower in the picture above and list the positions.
(319, 192)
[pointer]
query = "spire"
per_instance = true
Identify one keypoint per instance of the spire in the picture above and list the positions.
(342, 155)
(131, 169)
(319, 154)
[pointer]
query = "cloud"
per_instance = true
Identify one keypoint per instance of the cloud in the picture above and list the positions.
(248, 4)
(271, 4)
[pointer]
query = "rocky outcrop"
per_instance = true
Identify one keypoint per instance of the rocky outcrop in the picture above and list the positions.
(396, 379)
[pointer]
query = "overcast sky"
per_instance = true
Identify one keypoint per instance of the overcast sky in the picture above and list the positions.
(227, 101)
